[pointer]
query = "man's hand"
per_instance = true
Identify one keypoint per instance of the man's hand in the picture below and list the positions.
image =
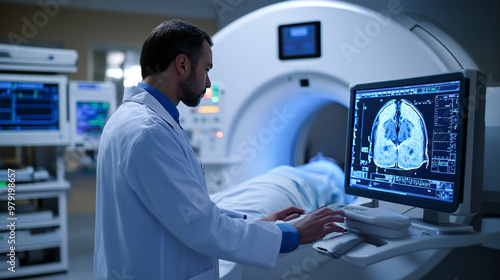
(320, 222)
(286, 214)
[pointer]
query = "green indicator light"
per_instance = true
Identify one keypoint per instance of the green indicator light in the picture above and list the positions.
(3, 184)
(215, 99)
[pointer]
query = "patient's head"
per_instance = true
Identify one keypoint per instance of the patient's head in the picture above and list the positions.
(319, 156)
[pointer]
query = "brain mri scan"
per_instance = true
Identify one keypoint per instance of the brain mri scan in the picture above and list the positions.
(399, 137)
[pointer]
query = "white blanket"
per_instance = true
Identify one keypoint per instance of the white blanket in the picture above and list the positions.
(308, 187)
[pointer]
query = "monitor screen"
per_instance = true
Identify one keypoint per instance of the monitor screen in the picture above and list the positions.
(29, 106)
(300, 40)
(33, 110)
(91, 117)
(405, 141)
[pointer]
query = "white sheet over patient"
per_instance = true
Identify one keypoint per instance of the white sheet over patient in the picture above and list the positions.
(308, 186)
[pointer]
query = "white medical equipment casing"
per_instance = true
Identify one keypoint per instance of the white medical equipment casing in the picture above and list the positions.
(35, 59)
(272, 112)
(267, 108)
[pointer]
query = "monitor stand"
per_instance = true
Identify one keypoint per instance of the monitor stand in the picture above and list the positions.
(436, 216)
(438, 223)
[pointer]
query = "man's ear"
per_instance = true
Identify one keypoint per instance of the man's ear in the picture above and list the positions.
(182, 64)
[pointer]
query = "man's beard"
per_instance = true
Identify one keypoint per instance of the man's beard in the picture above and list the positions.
(189, 95)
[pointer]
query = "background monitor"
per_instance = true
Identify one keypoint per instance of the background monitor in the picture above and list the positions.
(33, 110)
(91, 105)
(418, 141)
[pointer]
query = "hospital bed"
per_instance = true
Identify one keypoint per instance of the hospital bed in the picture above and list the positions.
(310, 186)
(317, 183)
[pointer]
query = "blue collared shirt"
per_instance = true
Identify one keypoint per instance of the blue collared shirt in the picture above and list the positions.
(164, 101)
(290, 239)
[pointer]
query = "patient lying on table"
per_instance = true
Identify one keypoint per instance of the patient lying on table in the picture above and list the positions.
(310, 186)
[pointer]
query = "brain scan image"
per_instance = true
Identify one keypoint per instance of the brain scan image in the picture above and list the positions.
(399, 137)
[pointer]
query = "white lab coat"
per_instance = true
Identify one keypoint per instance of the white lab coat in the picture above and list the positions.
(154, 217)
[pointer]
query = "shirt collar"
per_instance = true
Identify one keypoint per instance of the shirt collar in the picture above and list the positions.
(164, 101)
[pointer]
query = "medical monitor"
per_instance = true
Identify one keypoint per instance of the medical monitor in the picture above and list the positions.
(91, 105)
(418, 141)
(33, 110)
(299, 40)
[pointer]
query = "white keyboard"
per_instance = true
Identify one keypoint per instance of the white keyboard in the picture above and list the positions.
(380, 222)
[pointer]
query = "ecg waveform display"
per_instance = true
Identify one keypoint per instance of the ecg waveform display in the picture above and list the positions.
(29, 106)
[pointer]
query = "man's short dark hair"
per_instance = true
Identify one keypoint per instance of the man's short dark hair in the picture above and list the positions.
(167, 41)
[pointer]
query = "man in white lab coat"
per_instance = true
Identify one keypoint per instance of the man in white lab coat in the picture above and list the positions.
(154, 217)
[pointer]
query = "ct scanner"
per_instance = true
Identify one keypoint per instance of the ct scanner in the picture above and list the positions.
(262, 111)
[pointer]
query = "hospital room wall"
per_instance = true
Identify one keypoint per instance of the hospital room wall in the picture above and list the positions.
(79, 29)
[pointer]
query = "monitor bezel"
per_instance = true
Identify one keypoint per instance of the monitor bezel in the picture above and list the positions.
(429, 204)
(59, 137)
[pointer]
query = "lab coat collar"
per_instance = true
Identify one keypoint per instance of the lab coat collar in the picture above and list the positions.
(139, 95)
(164, 101)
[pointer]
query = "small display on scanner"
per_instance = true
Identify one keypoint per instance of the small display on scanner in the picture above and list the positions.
(300, 40)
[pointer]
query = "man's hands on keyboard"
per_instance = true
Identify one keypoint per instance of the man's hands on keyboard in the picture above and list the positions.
(318, 223)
